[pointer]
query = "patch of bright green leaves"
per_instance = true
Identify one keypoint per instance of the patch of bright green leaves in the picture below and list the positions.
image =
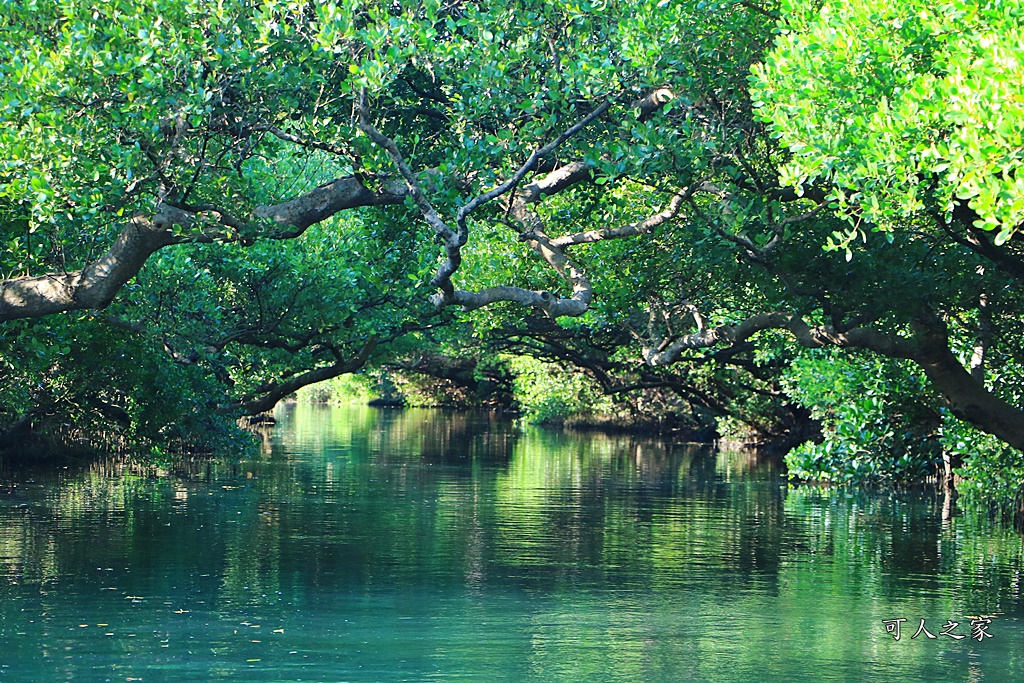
(902, 107)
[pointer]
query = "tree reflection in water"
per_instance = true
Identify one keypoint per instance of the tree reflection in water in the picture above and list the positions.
(386, 544)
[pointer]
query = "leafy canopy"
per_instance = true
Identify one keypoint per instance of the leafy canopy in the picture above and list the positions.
(903, 106)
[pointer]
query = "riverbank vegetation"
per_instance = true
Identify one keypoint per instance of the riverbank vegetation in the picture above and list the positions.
(795, 224)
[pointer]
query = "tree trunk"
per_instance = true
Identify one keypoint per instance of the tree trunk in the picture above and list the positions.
(968, 399)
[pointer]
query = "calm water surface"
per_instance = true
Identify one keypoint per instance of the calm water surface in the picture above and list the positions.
(368, 545)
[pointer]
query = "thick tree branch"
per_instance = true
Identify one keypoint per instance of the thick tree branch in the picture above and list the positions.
(542, 300)
(968, 398)
(980, 243)
(291, 218)
(928, 347)
(92, 287)
(651, 104)
(95, 285)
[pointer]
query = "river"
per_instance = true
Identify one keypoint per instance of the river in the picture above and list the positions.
(414, 545)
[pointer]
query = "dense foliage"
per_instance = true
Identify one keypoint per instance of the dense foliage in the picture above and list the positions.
(903, 107)
(206, 207)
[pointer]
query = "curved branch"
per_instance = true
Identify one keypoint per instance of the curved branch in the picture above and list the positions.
(95, 285)
(643, 227)
(531, 228)
(291, 218)
(810, 337)
(928, 347)
(552, 250)
(276, 392)
(92, 287)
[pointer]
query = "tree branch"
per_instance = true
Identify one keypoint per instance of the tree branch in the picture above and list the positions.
(92, 287)
(531, 227)
(412, 184)
(453, 240)
(529, 164)
(639, 228)
(302, 142)
(277, 391)
(928, 347)
(810, 337)
(95, 285)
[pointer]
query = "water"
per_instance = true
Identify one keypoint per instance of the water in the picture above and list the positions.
(369, 545)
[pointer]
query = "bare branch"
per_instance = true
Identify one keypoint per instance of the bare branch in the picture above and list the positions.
(552, 183)
(653, 103)
(528, 166)
(302, 142)
(550, 303)
(422, 203)
(811, 337)
(639, 228)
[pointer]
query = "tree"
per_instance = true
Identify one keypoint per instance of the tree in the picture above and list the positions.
(140, 128)
(903, 116)
(597, 165)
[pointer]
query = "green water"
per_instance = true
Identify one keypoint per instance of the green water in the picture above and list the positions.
(369, 545)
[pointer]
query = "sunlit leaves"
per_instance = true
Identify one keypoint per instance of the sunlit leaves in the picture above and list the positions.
(904, 107)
